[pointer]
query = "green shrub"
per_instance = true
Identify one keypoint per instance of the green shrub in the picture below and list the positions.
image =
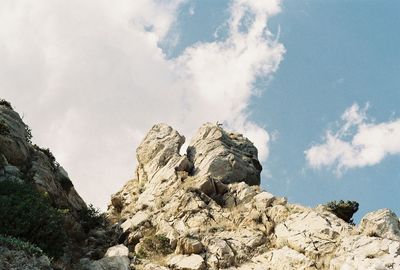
(18, 244)
(28, 215)
(157, 244)
(343, 209)
(91, 218)
(5, 103)
(55, 165)
(28, 134)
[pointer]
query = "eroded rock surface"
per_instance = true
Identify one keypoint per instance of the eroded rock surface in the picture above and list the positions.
(205, 210)
(197, 211)
(30, 165)
(227, 156)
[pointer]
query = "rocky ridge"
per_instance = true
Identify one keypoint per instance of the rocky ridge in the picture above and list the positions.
(205, 210)
(202, 210)
(25, 166)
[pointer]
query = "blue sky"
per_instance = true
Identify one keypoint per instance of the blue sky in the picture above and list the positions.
(337, 53)
(315, 85)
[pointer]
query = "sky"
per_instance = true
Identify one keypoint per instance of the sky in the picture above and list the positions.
(314, 84)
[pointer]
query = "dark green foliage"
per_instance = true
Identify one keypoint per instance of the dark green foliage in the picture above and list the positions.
(91, 218)
(65, 183)
(55, 165)
(343, 209)
(28, 134)
(17, 244)
(28, 215)
(4, 129)
(157, 244)
(5, 103)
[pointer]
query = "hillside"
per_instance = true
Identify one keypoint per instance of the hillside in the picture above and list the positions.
(202, 210)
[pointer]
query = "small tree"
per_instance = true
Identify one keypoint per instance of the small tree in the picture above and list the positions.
(343, 209)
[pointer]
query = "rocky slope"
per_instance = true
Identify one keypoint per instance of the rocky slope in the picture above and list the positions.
(202, 210)
(205, 210)
(25, 166)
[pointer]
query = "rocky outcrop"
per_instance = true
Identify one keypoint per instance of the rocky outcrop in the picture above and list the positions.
(21, 161)
(227, 157)
(205, 210)
(197, 211)
(32, 166)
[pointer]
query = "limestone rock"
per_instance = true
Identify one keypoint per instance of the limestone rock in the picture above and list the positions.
(138, 219)
(160, 145)
(228, 157)
(118, 250)
(363, 252)
(311, 233)
(184, 262)
(283, 258)
(382, 223)
(189, 246)
(110, 263)
(14, 144)
(206, 211)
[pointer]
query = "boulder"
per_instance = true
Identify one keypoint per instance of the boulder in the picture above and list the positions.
(161, 144)
(189, 246)
(228, 157)
(311, 233)
(118, 250)
(138, 219)
(187, 262)
(110, 263)
(381, 223)
(363, 252)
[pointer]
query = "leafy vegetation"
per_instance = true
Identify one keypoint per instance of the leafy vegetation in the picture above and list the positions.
(157, 244)
(18, 244)
(5, 103)
(343, 209)
(55, 165)
(29, 216)
(28, 134)
(91, 218)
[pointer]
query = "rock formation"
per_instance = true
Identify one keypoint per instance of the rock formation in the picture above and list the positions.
(205, 210)
(202, 210)
(27, 165)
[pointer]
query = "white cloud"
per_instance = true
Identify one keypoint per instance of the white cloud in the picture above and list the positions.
(358, 143)
(91, 79)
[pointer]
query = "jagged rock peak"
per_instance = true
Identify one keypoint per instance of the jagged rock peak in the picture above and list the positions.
(205, 210)
(226, 156)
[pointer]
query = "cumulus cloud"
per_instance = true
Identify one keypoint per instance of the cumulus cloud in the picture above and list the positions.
(91, 78)
(359, 142)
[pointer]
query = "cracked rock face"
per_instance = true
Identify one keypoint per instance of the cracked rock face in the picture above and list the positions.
(227, 156)
(20, 161)
(205, 210)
